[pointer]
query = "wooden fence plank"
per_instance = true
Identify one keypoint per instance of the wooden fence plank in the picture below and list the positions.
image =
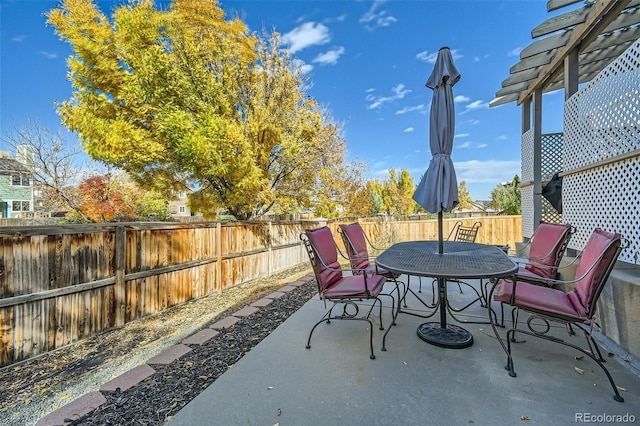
(56, 288)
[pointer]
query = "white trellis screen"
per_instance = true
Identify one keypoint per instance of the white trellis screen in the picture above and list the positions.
(551, 162)
(601, 161)
(526, 193)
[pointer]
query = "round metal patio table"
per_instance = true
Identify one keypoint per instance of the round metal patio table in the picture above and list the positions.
(459, 260)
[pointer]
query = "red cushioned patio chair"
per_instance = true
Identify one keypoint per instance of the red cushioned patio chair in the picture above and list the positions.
(345, 290)
(546, 249)
(575, 309)
(357, 245)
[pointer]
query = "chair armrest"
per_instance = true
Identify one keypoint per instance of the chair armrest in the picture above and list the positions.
(555, 282)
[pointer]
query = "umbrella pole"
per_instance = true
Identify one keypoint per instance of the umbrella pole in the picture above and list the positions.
(440, 237)
(442, 285)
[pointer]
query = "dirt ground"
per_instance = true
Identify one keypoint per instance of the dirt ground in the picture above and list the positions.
(32, 389)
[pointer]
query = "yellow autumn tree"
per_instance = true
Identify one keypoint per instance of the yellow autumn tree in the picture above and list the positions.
(184, 98)
(464, 199)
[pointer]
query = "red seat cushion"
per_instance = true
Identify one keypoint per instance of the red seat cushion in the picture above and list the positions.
(354, 286)
(537, 298)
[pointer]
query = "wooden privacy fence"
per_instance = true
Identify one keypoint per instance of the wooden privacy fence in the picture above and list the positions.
(60, 284)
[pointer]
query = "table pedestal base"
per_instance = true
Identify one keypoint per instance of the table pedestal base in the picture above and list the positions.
(452, 336)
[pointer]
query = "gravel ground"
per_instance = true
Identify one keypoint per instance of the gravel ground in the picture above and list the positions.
(34, 388)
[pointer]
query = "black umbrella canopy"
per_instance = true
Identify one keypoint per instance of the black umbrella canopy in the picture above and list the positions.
(552, 192)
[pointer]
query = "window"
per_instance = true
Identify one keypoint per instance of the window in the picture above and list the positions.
(182, 194)
(20, 180)
(21, 206)
(182, 209)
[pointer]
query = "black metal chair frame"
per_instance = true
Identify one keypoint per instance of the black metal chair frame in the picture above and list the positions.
(346, 301)
(390, 276)
(541, 281)
(541, 331)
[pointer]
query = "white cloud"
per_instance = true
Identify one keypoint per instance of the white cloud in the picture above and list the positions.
(463, 145)
(460, 98)
(515, 52)
(302, 66)
(475, 105)
(305, 35)
(48, 55)
(425, 56)
(461, 135)
(408, 130)
(488, 171)
(19, 38)
(482, 145)
(502, 138)
(398, 92)
(405, 110)
(339, 18)
(329, 57)
(374, 18)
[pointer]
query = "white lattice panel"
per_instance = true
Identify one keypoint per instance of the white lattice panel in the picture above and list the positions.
(601, 123)
(551, 162)
(526, 196)
(526, 193)
(552, 147)
(526, 150)
(607, 197)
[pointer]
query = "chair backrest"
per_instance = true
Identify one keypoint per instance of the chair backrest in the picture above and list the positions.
(323, 254)
(355, 244)
(547, 248)
(597, 261)
(464, 233)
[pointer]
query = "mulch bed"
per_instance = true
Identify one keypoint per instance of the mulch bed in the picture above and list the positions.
(159, 397)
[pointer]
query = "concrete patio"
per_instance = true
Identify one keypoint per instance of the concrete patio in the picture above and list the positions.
(412, 383)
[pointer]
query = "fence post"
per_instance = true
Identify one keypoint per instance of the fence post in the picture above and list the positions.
(218, 283)
(120, 288)
(269, 248)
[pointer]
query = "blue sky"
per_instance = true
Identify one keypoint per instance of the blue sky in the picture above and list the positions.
(368, 62)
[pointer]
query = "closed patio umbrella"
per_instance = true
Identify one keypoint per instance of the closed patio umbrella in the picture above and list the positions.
(438, 188)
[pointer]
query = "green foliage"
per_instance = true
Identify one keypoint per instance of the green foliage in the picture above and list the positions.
(506, 198)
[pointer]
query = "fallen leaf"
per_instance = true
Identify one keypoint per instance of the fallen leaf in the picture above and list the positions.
(580, 357)
(269, 387)
(404, 362)
(620, 388)
(525, 418)
(610, 354)
(579, 370)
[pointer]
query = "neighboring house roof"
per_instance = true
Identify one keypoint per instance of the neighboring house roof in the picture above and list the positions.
(9, 165)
